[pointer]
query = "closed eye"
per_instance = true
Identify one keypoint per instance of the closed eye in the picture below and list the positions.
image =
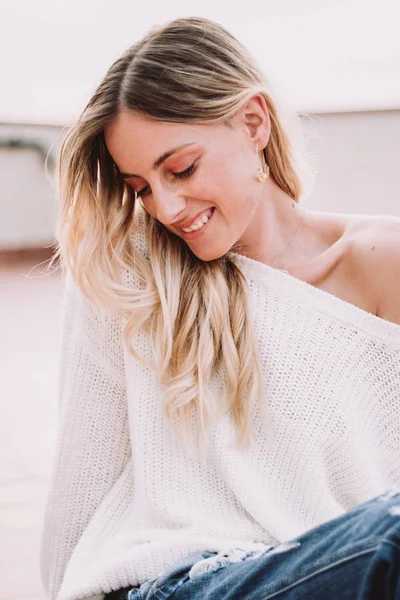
(181, 175)
(186, 173)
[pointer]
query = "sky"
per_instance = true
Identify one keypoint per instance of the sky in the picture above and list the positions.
(318, 55)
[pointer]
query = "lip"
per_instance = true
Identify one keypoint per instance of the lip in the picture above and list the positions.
(195, 234)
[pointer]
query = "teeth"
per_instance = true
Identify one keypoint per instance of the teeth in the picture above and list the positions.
(198, 225)
(194, 227)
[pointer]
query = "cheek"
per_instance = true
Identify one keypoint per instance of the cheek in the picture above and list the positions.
(228, 183)
(234, 196)
(238, 177)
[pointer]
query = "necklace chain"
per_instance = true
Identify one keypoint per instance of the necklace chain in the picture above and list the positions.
(271, 264)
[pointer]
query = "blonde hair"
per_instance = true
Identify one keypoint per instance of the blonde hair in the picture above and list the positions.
(189, 71)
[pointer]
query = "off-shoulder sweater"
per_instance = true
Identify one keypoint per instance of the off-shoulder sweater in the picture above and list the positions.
(126, 501)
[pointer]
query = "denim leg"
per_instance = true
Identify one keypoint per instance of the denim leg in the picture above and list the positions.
(162, 587)
(353, 557)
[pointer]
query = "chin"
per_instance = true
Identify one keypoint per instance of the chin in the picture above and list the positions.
(207, 254)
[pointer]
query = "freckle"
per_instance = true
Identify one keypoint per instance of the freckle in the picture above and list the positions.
(373, 247)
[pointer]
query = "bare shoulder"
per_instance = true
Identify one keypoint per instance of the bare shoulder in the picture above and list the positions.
(374, 251)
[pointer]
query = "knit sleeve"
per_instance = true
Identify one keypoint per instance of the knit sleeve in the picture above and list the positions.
(93, 444)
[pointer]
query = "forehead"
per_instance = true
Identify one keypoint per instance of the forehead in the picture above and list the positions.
(131, 135)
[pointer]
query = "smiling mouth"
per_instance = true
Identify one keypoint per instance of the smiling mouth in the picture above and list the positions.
(191, 234)
(200, 222)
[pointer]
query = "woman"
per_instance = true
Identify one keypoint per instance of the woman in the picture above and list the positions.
(230, 375)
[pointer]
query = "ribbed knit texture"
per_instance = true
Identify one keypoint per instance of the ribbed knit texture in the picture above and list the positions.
(125, 500)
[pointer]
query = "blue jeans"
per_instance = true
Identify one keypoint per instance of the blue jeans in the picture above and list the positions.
(355, 556)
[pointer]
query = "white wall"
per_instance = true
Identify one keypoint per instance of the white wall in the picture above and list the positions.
(356, 155)
(359, 156)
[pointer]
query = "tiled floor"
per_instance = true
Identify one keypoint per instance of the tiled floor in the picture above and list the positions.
(30, 326)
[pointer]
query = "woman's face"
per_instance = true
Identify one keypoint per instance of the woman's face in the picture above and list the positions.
(185, 173)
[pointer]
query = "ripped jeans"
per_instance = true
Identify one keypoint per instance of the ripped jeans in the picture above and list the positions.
(355, 556)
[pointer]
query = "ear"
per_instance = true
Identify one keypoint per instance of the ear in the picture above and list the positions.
(254, 117)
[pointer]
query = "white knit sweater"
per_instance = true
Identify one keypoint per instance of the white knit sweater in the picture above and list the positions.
(125, 501)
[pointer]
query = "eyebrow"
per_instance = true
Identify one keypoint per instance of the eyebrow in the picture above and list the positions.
(162, 159)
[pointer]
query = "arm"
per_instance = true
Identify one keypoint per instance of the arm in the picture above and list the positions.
(389, 305)
(374, 266)
(383, 260)
(93, 437)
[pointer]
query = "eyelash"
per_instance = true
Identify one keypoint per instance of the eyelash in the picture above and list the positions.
(182, 175)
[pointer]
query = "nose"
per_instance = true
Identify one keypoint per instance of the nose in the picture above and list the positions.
(168, 205)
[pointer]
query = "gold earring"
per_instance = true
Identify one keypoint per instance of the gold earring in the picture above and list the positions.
(262, 171)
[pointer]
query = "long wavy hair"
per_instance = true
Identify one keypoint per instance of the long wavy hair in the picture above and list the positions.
(190, 70)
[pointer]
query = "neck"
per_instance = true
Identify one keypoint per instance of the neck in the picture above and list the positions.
(272, 227)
